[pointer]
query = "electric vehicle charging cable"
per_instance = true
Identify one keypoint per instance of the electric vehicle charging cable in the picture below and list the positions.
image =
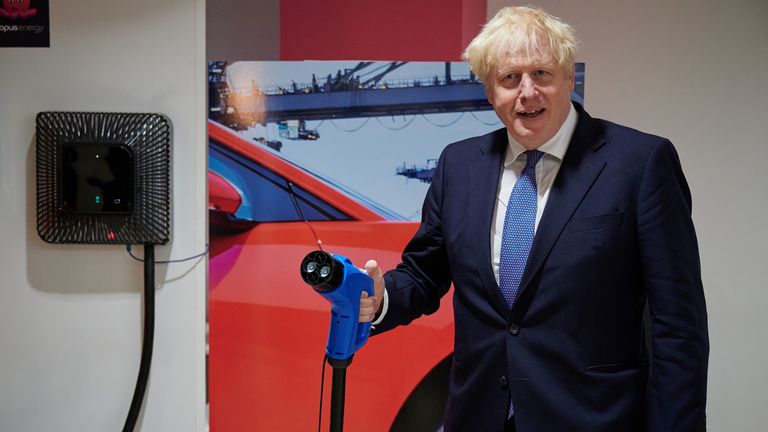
(149, 329)
(147, 342)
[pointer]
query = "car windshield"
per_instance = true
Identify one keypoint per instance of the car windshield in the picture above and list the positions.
(362, 199)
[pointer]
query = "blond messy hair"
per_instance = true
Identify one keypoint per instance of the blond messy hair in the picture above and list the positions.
(527, 31)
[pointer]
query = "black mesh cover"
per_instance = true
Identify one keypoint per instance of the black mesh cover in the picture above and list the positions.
(142, 144)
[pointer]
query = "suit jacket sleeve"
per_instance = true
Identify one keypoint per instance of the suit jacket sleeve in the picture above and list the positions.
(416, 285)
(678, 317)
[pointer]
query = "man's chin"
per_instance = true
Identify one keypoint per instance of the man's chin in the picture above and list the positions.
(527, 138)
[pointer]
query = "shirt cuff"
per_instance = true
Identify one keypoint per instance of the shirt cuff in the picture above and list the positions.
(384, 308)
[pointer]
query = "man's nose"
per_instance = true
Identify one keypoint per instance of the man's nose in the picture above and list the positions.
(527, 89)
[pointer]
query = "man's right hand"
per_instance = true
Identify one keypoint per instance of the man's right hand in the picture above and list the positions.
(370, 307)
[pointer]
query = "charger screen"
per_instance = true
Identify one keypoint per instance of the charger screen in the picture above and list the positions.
(97, 178)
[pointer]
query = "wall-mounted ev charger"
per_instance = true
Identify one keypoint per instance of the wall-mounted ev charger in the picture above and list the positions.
(105, 178)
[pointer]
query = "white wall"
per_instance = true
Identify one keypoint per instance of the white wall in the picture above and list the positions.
(695, 71)
(70, 316)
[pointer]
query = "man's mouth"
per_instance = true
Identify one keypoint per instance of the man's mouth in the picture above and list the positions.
(530, 114)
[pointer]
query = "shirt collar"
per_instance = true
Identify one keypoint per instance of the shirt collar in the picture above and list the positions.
(556, 146)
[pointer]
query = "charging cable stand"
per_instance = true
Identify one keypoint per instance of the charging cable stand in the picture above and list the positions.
(338, 391)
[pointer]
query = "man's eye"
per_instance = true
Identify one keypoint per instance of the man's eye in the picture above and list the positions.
(540, 74)
(511, 77)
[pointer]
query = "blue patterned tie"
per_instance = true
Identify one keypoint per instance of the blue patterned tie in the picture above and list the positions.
(519, 221)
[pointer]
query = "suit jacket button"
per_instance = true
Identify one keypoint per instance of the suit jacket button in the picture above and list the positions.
(514, 329)
(503, 381)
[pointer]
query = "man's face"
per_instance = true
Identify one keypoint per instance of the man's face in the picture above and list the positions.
(531, 96)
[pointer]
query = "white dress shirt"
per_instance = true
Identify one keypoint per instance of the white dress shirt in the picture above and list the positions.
(546, 171)
(514, 162)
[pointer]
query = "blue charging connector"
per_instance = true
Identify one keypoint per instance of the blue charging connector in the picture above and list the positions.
(335, 278)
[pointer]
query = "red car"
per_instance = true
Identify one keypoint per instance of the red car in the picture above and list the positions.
(268, 329)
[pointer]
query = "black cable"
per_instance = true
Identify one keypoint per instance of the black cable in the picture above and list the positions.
(149, 336)
(322, 380)
(207, 248)
(301, 215)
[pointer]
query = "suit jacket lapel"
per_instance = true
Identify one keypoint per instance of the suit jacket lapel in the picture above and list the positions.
(581, 166)
(484, 181)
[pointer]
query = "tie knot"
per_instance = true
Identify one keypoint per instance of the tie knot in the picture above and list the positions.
(533, 158)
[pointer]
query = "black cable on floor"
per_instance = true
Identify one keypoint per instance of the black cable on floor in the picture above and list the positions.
(149, 336)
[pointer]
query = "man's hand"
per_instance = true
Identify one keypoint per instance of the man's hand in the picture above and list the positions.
(371, 306)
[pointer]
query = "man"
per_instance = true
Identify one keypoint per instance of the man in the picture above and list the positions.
(557, 232)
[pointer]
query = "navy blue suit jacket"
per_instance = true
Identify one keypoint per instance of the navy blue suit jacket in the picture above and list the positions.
(575, 352)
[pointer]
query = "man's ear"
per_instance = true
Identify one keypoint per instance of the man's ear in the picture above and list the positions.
(572, 77)
(488, 94)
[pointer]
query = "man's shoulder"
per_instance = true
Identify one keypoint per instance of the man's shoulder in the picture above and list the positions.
(612, 132)
(626, 146)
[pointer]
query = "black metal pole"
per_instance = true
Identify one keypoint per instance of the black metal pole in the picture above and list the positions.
(337, 399)
(338, 391)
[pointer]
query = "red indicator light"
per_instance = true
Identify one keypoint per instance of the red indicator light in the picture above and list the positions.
(111, 236)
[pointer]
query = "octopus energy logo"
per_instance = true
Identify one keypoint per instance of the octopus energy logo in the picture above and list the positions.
(17, 9)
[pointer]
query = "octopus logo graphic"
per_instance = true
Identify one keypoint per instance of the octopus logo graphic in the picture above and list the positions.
(13, 9)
